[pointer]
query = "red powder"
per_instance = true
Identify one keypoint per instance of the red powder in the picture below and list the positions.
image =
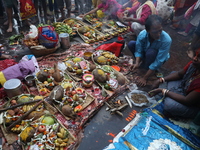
(111, 134)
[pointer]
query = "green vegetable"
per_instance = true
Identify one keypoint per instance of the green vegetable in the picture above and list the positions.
(107, 87)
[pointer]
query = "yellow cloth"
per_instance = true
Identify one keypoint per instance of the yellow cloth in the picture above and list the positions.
(2, 78)
(150, 4)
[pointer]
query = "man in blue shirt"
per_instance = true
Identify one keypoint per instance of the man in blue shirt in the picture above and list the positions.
(151, 49)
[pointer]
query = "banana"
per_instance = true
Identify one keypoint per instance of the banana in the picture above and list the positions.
(60, 135)
(62, 131)
(59, 140)
(24, 108)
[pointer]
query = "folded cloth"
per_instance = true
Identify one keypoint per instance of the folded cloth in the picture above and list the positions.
(114, 47)
(18, 71)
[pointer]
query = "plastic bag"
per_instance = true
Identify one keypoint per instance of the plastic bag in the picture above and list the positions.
(33, 32)
(47, 36)
(151, 100)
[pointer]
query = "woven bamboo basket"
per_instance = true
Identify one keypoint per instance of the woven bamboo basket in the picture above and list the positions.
(43, 51)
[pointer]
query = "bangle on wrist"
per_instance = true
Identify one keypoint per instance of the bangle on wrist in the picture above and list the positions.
(164, 92)
(161, 80)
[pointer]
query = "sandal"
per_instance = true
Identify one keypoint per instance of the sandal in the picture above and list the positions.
(183, 33)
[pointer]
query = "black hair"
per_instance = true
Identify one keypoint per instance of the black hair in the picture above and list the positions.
(152, 19)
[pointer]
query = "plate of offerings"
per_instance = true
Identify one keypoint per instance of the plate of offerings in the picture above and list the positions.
(102, 57)
(72, 99)
(31, 119)
(89, 34)
(108, 78)
(77, 67)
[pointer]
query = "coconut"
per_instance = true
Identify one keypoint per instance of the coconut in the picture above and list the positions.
(99, 75)
(121, 80)
(68, 111)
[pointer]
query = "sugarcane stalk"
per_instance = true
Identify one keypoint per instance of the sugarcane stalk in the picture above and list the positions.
(15, 106)
(24, 116)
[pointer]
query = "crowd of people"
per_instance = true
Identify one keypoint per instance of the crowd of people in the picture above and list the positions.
(152, 45)
(131, 12)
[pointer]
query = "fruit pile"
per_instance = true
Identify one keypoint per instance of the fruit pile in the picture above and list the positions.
(14, 114)
(77, 65)
(105, 58)
(46, 133)
(61, 27)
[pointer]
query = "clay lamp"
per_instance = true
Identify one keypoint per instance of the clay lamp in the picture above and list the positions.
(79, 90)
(87, 55)
(88, 80)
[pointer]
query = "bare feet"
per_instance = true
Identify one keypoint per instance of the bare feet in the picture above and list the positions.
(10, 29)
(6, 56)
(183, 33)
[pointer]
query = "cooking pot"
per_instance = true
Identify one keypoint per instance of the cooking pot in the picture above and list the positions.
(13, 87)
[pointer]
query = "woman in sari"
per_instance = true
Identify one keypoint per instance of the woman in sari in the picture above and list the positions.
(180, 7)
(183, 92)
(109, 7)
(138, 17)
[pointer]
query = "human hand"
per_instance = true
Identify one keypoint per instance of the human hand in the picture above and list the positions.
(156, 84)
(133, 67)
(82, 16)
(142, 82)
(126, 19)
(154, 92)
(126, 13)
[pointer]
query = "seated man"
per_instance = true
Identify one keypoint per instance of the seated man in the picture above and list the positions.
(151, 49)
(138, 15)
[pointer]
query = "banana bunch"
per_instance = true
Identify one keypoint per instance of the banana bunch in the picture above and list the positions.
(109, 55)
(61, 27)
(26, 108)
(62, 139)
(18, 128)
(112, 58)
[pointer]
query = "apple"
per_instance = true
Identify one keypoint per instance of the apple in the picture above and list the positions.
(42, 128)
(48, 120)
(73, 92)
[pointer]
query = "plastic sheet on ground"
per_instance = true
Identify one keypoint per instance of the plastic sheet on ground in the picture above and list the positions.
(146, 134)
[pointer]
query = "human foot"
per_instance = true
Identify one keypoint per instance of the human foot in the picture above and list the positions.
(10, 29)
(183, 33)
(6, 56)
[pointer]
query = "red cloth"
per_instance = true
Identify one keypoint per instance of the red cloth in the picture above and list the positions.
(27, 9)
(195, 84)
(7, 63)
(114, 47)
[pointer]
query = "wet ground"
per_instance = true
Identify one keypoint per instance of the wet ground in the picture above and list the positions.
(98, 131)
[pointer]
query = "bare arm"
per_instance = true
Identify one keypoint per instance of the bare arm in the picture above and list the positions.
(149, 72)
(192, 99)
(90, 12)
(131, 19)
(171, 77)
